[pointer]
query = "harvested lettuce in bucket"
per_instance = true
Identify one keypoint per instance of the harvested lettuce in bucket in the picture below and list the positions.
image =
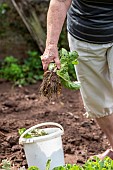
(34, 133)
(54, 79)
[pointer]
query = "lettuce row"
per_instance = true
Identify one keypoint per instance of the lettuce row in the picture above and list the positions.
(96, 164)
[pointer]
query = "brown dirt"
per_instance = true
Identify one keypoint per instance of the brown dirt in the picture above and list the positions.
(22, 107)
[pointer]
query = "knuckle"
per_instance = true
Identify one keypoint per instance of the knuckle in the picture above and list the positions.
(44, 57)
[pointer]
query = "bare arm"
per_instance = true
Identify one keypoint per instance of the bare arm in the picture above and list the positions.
(55, 20)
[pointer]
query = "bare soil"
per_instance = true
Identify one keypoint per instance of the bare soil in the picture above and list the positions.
(22, 107)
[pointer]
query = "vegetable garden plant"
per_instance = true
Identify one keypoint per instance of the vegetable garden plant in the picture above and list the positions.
(96, 164)
(24, 72)
(54, 79)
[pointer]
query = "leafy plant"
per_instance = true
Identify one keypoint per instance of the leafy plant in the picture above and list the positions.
(48, 164)
(32, 67)
(54, 79)
(34, 133)
(10, 60)
(36, 168)
(106, 164)
(95, 164)
(11, 70)
(33, 168)
(21, 131)
(6, 164)
(3, 8)
(24, 73)
(68, 59)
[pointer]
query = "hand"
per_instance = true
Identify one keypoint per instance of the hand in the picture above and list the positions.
(50, 55)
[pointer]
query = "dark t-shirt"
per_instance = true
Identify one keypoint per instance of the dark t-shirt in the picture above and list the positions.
(91, 20)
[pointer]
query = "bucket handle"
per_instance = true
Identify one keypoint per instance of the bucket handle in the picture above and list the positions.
(42, 124)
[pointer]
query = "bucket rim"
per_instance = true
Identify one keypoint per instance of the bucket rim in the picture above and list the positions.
(56, 134)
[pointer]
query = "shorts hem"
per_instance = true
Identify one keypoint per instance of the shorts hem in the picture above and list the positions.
(92, 115)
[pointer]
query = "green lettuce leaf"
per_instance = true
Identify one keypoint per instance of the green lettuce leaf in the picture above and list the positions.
(66, 59)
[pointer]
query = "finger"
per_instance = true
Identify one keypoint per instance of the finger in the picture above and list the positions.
(44, 62)
(45, 67)
(57, 61)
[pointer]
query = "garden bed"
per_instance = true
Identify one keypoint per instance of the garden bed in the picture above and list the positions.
(22, 107)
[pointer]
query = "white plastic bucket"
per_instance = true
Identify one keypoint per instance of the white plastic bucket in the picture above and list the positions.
(39, 149)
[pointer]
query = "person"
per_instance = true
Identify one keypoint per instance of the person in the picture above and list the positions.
(90, 33)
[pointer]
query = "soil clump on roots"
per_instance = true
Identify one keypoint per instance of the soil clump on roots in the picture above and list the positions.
(51, 85)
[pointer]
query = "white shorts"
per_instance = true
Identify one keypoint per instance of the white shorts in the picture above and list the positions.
(95, 72)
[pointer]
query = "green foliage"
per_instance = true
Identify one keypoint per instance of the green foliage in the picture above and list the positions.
(67, 71)
(68, 167)
(6, 164)
(3, 8)
(24, 73)
(33, 168)
(21, 131)
(10, 60)
(36, 168)
(34, 133)
(106, 164)
(68, 60)
(11, 70)
(96, 164)
(48, 164)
